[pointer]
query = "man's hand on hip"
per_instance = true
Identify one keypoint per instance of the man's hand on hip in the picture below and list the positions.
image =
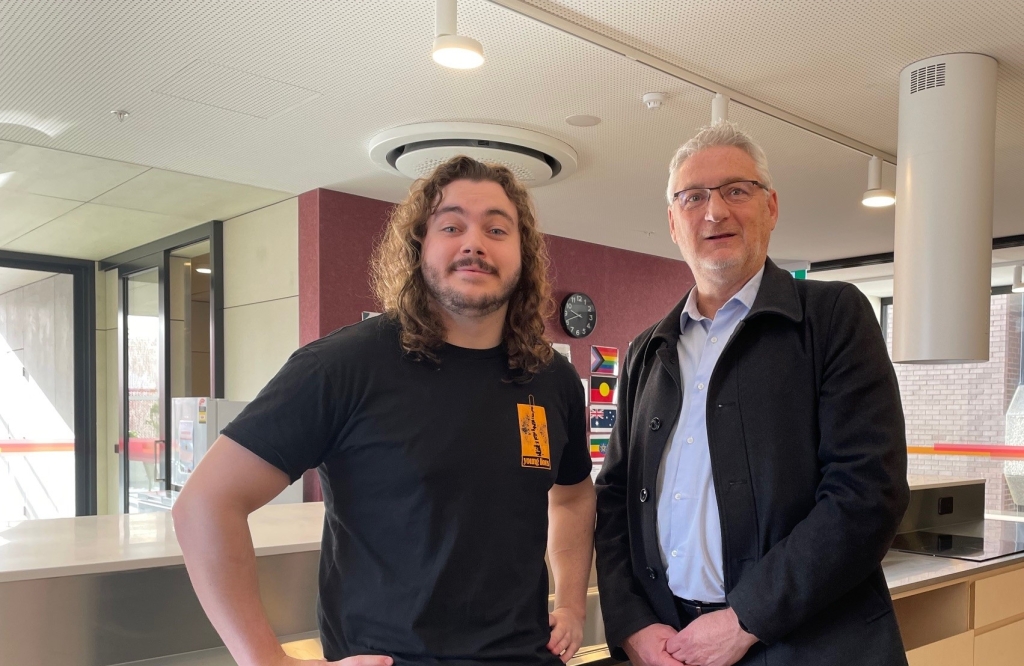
(715, 639)
(647, 646)
(566, 633)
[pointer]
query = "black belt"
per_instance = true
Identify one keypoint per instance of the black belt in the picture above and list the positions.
(691, 610)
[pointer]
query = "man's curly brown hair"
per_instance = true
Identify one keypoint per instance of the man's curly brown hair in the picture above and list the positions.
(402, 291)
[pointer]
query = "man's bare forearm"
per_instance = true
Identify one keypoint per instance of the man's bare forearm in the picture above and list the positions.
(221, 563)
(571, 542)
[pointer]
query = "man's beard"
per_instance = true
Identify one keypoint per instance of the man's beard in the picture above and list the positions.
(458, 303)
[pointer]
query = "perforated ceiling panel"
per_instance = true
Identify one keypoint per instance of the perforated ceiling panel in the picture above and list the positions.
(67, 65)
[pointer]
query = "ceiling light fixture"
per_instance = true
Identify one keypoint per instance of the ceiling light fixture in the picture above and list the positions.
(1018, 279)
(719, 108)
(451, 49)
(205, 270)
(876, 197)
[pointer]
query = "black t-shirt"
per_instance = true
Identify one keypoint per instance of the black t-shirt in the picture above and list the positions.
(435, 481)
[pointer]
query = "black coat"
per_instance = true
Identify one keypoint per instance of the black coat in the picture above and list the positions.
(809, 460)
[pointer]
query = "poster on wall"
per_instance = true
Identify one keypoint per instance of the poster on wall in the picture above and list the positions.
(602, 390)
(586, 391)
(602, 419)
(604, 361)
(369, 315)
(563, 349)
(598, 447)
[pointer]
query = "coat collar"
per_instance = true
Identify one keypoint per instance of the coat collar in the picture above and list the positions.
(777, 295)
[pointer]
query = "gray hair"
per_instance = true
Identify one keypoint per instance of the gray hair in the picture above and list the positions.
(722, 133)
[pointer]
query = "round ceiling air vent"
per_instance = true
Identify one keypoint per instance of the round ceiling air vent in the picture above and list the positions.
(416, 150)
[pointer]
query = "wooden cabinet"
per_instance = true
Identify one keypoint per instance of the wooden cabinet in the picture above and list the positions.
(1001, 647)
(998, 598)
(936, 626)
(954, 651)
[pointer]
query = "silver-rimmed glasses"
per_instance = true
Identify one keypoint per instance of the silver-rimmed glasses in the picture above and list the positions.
(736, 192)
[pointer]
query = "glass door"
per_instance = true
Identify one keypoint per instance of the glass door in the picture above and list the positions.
(143, 395)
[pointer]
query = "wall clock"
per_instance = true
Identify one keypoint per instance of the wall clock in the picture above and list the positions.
(578, 316)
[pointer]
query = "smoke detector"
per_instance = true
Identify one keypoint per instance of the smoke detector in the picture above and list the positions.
(654, 100)
(416, 150)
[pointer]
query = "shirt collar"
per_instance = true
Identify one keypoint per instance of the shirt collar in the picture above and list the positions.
(745, 296)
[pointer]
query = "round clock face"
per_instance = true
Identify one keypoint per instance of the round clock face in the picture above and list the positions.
(578, 315)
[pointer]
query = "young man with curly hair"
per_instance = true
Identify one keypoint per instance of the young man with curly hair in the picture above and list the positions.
(451, 447)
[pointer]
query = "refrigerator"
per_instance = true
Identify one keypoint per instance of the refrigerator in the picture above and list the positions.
(196, 424)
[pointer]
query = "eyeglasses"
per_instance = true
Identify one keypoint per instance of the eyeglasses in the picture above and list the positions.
(737, 192)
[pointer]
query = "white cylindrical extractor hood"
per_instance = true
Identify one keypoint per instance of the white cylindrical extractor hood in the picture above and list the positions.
(944, 176)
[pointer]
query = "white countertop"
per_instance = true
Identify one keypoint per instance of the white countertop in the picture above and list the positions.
(918, 482)
(32, 549)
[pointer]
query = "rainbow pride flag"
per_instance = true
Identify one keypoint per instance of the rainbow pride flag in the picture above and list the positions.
(604, 360)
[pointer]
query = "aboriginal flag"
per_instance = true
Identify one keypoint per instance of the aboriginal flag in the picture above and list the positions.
(602, 390)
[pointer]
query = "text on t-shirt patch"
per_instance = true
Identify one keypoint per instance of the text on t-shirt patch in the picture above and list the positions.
(533, 430)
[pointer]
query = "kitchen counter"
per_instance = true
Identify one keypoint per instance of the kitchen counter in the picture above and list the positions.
(84, 554)
(920, 482)
(35, 549)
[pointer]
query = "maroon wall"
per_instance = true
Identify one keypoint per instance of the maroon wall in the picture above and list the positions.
(337, 233)
(630, 291)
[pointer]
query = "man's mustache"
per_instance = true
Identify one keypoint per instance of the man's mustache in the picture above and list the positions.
(472, 261)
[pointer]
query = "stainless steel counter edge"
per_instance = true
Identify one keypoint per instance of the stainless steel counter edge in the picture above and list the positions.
(906, 572)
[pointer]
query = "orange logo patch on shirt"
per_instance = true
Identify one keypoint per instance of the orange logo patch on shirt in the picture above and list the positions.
(533, 431)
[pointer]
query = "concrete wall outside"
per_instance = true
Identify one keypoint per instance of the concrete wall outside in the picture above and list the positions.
(37, 328)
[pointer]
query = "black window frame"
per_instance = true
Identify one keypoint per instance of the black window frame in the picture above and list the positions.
(157, 254)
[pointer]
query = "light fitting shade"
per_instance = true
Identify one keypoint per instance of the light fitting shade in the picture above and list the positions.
(458, 52)
(878, 198)
(1018, 279)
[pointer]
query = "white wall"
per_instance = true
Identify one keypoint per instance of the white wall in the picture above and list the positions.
(261, 296)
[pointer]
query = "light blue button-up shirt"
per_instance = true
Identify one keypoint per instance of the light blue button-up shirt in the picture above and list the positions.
(689, 529)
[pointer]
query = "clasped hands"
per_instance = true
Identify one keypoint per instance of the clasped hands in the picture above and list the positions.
(715, 639)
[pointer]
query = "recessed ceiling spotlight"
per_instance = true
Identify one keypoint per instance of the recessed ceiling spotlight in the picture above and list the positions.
(654, 100)
(582, 120)
(451, 49)
(120, 114)
(876, 197)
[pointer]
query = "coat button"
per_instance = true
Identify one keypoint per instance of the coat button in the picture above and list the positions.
(651, 574)
(655, 423)
(643, 494)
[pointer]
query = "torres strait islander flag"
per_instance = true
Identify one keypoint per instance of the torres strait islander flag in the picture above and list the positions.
(602, 390)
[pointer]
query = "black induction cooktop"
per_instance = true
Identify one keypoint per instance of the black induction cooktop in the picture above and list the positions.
(976, 541)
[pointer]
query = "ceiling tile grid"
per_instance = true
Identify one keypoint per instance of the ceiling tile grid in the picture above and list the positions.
(834, 62)
(367, 68)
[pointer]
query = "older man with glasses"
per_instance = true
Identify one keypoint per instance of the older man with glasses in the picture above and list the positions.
(757, 472)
